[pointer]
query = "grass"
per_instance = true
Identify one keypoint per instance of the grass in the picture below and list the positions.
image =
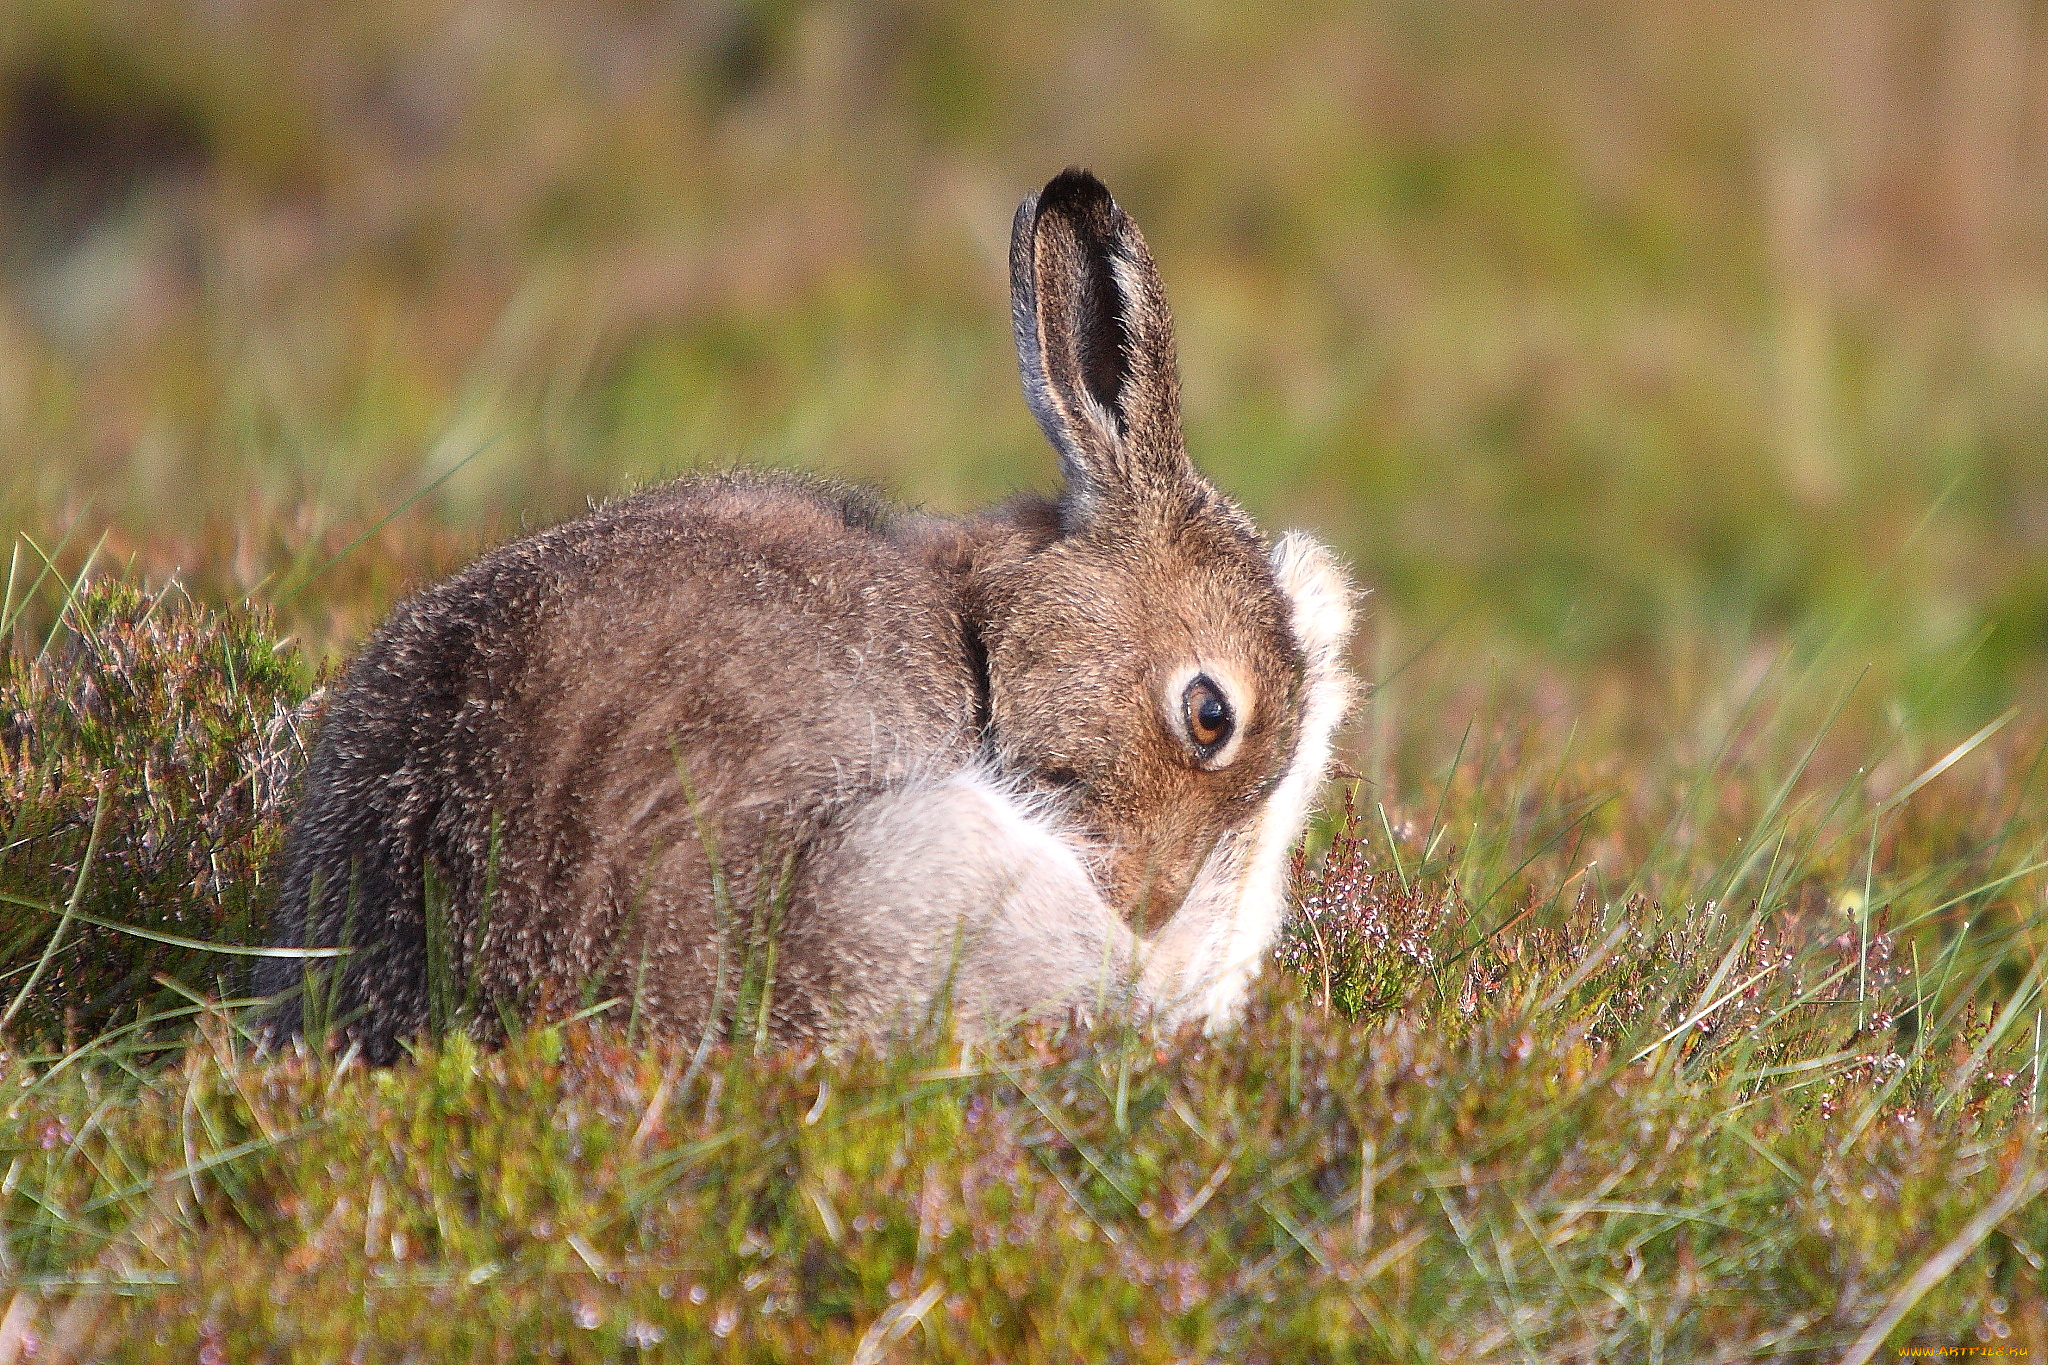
(1668, 986)
(1732, 1052)
(1614, 334)
(1396, 1191)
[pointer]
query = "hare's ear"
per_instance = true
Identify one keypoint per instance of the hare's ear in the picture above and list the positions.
(1095, 344)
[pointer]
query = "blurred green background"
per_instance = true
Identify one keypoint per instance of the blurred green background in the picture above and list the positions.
(1619, 334)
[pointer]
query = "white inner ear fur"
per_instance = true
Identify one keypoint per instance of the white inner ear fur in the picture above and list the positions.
(1203, 960)
(1237, 694)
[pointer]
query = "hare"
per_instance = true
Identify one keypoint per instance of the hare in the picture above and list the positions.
(1046, 757)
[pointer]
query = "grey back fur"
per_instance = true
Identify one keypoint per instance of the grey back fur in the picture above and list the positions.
(885, 758)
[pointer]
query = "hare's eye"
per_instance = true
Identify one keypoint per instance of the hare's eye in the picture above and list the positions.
(1208, 716)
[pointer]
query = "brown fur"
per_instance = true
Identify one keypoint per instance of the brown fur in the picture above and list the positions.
(615, 744)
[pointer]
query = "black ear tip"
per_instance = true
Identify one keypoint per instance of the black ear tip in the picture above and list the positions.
(1075, 190)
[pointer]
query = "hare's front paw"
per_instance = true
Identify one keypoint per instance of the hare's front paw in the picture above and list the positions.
(1220, 1003)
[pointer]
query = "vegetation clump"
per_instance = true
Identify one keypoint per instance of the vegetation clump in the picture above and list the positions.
(1361, 932)
(147, 748)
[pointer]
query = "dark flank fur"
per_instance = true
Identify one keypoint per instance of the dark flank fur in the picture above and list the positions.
(542, 721)
(591, 760)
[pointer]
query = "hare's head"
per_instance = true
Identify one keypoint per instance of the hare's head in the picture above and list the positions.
(1148, 657)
